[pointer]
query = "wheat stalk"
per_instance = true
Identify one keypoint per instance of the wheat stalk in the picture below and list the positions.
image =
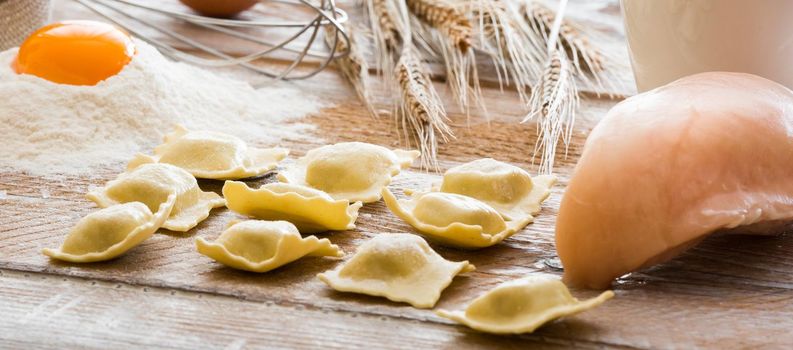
(353, 66)
(382, 14)
(388, 28)
(421, 109)
(554, 100)
(444, 16)
(505, 38)
(442, 28)
(590, 64)
(584, 56)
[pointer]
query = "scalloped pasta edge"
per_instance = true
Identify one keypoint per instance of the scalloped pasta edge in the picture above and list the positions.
(241, 172)
(549, 315)
(333, 280)
(284, 254)
(207, 202)
(465, 236)
(133, 239)
(263, 196)
(296, 174)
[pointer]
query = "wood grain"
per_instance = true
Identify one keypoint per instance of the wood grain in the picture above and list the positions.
(729, 292)
(90, 314)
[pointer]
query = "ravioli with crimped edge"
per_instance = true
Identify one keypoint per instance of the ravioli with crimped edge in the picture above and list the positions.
(453, 219)
(354, 171)
(522, 306)
(508, 189)
(309, 209)
(152, 184)
(399, 266)
(110, 232)
(213, 155)
(261, 246)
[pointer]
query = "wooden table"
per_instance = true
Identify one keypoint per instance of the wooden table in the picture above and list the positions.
(728, 292)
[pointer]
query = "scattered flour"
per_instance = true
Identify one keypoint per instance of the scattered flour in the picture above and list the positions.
(49, 128)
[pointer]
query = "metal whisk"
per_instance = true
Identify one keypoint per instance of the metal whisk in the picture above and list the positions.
(327, 14)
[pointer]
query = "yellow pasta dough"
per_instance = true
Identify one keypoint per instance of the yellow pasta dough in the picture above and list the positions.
(354, 171)
(151, 184)
(505, 187)
(399, 266)
(454, 219)
(261, 246)
(522, 306)
(110, 232)
(213, 155)
(309, 209)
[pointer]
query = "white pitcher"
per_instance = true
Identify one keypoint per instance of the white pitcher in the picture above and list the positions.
(669, 39)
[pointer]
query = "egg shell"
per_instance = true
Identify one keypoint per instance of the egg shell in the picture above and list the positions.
(223, 9)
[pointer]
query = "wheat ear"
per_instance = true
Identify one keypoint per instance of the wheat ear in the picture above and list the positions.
(584, 56)
(421, 109)
(386, 28)
(517, 56)
(444, 16)
(554, 101)
(382, 12)
(590, 64)
(353, 66)
(443, 29)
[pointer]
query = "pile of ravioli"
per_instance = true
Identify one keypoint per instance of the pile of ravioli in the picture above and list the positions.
(476, 205)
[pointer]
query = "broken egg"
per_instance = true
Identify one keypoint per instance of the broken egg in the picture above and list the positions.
(75, 52)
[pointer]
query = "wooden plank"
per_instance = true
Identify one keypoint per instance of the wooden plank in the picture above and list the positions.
(52, 312)
(729, 292)
(650, 310)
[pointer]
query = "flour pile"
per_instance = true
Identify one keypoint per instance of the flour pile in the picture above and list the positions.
(50, 128)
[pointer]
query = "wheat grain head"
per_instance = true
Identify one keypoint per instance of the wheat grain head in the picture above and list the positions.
(518, 57)
(420, 113)
(444, 16)
(554, 101)
(591, 65)
(443, 30)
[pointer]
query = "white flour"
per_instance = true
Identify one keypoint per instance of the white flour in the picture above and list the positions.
(48, 128)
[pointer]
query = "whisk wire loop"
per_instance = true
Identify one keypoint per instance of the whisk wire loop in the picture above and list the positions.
(327, 14)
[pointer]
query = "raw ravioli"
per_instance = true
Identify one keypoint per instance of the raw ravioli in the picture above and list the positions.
(508, 189)
(668, 167)
(453, 219)
(309, 209)
(213, 155)
(354, 171)
(110, 232)
(260, 246)
(152, 184)
(398, 266)
(522, 306)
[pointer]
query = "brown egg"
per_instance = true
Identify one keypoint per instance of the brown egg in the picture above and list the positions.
(219, 8)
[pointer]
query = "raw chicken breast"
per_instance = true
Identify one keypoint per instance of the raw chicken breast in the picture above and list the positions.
(666, 168)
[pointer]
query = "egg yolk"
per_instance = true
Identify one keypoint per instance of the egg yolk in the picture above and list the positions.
(75, 52)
